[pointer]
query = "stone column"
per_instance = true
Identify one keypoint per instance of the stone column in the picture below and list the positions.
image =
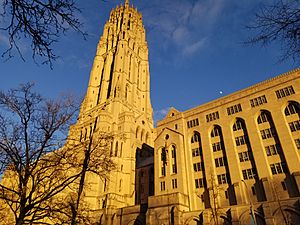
(235, 216)
(239, 194)
(268, 214)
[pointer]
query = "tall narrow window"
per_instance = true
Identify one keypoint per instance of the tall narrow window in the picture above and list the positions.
(271, 143)
(292, 113)
(120, 185)
(163, 171)
(129, 70)
(80, 135)
(116, 150)
(111, 148)
(173, 152)
(85, 133)
(162, 186)
(220, 155)
(104, 185)
(174, 183)
(174, 159)
(126, 92)
(163, 161)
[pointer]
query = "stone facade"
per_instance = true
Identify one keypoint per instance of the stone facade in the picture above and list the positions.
(230, 161)
(235, 160)
(238, 151)
(118, 101)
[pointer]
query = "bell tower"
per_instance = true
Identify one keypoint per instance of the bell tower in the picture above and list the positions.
(121, 70)
(118, 100)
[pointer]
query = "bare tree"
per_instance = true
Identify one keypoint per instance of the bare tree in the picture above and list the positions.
(279, 22)
(41, 22)
(214, 195)
(43, 181)
(31, 128)
(91, 156)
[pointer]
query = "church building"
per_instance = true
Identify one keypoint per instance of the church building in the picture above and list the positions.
(235, 160)
(118, 102)
(231, 161)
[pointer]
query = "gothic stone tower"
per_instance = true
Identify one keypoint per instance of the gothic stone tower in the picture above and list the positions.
(118, 100)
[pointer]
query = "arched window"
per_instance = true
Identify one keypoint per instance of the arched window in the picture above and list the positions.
(195, 137)
(173, 215)
(173, 151)
(163, 161)
(128, 24)
(216, 132)
(291, 109)
(292, 113)
(115, 92)
(142, 135)
(129, 70)
(80, 135)
(174, 160)
(147, 137)
(137, 132)
(116, 150)
(85, 133)
(126, 92)
(238, 125)
(263, 117)
(111, 148)
(120, 185)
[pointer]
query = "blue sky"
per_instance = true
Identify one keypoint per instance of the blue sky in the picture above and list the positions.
(195, 52)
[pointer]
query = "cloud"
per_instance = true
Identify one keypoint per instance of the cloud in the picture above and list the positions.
(180, 35)
(162, 111)
(206, 12)
(194, 47)
(160, 114)
(183, 26)
(80, 62)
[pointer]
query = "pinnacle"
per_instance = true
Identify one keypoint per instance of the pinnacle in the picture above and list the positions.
(126, 3)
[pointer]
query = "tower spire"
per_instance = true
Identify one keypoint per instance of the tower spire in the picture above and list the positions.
(126, 3)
